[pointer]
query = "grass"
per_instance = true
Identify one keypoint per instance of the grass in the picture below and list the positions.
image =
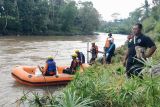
(113, 89)
(106, 86)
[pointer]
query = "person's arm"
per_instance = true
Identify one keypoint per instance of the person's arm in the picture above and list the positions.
(81, 65)
(152, 47)
(71, 67)
(125, 58)
(96, 50)
(90, 50)
(83, 58)
(150, 51)
(45, 69)
(110, 48)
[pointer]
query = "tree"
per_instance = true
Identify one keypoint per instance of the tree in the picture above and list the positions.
(26, 8)
(47, 17)
(68, 15)
(89, 17)
(54, 14)
(149, 24)
(40, 16)
(8, 18)
(156, 2)
(146, 7)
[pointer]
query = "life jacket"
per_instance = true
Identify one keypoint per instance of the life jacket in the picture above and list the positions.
(94, 50)
(81, 57)
(108, 40)
(51, 66)
(75, 65)
(111, 49)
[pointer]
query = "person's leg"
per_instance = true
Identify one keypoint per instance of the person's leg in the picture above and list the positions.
(128, 69)
(109, 58)
(106, 50)
(67, 71)
(92, 61)
(137, 70)
(47, 74)
(52, 73)
(103, 60)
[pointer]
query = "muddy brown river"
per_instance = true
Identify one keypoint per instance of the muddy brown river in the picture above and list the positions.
(33, 50)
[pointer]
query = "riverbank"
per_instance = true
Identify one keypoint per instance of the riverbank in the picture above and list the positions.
(107, 86)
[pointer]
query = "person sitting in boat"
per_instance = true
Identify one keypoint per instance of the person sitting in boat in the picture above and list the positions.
(50, 67)
(75, 65)
(80, 56)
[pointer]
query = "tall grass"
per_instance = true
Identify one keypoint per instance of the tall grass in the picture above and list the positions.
(109, 88)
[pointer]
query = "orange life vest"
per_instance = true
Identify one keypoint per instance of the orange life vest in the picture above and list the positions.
(107, 44)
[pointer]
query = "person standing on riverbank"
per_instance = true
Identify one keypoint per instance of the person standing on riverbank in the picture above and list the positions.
(94, 52)
(108, 41)
(136, 50)
(110, 52)
(108, 49)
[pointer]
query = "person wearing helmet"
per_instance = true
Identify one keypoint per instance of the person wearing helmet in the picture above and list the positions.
(80, 56)
(50, 67)
(94, 52)
(75, 65)
(109, 48)
(109, 40)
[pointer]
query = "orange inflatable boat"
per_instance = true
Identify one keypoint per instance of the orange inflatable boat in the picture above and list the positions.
(26, 75)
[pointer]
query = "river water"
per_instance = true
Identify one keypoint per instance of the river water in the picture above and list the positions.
(27, 50)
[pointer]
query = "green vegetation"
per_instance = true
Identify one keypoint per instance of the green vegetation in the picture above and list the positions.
(44, 17)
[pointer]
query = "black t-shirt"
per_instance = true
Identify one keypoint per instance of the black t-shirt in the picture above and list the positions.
(142, 41)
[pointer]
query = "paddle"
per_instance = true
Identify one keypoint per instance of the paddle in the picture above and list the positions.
(40, 69)
(56, 69)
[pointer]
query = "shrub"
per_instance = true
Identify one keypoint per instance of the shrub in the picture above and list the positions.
(149, 24)
(157, 27)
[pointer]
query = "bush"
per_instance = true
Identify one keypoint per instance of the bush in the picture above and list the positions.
(157, 27)
(111, 88)
(149, 24)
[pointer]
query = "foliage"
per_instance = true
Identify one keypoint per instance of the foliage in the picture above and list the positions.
(70, 99)
(67, 98)
(149, 24)
(47, 16)
(157, 27)
(88, 17)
